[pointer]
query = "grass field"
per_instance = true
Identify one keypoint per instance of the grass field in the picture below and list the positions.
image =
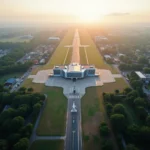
(14, 40)
(13, 75)
(53, 118)
(82, 56)
(93, 54)
(93, 112)
(47, 145)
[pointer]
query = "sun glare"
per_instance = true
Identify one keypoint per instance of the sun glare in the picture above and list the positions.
(89, 13)
(89, 17)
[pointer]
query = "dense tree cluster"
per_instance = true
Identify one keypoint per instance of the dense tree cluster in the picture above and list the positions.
(117, 106)
(106, 144)
(124, 66)
(16, 122)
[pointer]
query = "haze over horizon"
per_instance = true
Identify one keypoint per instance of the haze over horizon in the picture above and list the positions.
(69, 11)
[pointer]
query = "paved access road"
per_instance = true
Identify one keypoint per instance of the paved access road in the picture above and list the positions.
(73, 128)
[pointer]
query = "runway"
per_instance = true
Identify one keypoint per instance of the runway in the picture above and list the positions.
(73, 129)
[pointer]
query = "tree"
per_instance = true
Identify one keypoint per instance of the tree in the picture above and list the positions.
(104, 130)
(131, 147)
(119, 109)
(23, 110)
(127, 90)
(117, 91)
(146, 70)
(107, 98)
(139, 102)
(145, 134)
(143, 60)
(118, 121)
(26, 130)
(141, 113)
(17, 123)
(13, 138)
(36, 110)
(22, 90)
(30, 90)
(133, 132)
(107, 145)
(23, 144)
(109, 108)
(3, 144)
(148, 120)
(133, 93)
(136, 83)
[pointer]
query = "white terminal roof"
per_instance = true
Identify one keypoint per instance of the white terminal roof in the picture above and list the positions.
(74, 68)
(140, 74)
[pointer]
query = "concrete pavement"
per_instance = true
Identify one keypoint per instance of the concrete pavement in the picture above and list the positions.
(73, 128)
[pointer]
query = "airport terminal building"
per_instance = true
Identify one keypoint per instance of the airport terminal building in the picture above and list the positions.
(74, 71)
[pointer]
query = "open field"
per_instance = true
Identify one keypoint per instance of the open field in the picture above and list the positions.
(93, 112)
(13, 75)
(14, 40)
(47, 145)
(93, 54)
(53, 118)
(82, 56)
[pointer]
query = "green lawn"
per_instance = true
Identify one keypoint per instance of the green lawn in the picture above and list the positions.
(82, 56)
(93, 54)
(47, 145)
(53, 119)
(13, 75)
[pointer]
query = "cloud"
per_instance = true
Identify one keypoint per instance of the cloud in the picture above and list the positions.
(118, 14)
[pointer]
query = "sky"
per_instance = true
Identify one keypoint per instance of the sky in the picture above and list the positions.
(75, 10)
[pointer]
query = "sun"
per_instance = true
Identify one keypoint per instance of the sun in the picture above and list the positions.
(90, 17)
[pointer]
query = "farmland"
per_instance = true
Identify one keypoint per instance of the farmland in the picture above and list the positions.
(47, 145)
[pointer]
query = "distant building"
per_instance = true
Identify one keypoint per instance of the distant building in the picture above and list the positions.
(107, 57)
(141, 75)
(54, 38)
(120, 54)
(74, 71)
(29, 36)
(100, 38)
(42, 61)
(10, 82)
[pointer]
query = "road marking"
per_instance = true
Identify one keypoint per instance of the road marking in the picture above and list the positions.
(86, 56)
(66, 56)
(74, 96)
